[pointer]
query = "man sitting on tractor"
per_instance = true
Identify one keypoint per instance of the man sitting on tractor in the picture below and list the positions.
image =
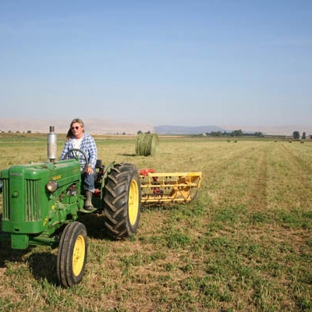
(78, 139)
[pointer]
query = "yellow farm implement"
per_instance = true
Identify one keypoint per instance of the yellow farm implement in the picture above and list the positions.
(168, 188)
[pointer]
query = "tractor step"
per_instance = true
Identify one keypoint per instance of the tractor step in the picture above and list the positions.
(88, 210)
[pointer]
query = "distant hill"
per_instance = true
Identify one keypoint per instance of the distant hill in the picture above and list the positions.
(187, 130)
(92, 126)
(107, 126)
(98, 126)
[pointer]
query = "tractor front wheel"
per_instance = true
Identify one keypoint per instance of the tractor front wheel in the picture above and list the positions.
(122, 201)
(72, 254)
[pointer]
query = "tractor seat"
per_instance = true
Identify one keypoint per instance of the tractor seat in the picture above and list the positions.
(99, 170)
(98, 164)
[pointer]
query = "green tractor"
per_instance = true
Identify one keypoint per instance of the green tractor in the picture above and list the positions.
(42, 203)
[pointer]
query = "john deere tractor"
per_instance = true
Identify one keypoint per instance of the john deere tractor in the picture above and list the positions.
(42, 203)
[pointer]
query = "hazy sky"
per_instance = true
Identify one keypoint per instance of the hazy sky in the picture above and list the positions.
(164, 62)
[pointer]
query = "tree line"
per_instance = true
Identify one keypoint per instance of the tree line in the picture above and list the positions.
(239, 133)
(235, 133)
(296, 135)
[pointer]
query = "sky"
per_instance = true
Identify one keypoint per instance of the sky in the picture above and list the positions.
(164, 62)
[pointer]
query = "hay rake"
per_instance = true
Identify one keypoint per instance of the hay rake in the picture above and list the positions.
(168, 188)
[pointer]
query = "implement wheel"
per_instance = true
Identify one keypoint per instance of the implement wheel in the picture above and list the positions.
(72, 254)
(122, 201)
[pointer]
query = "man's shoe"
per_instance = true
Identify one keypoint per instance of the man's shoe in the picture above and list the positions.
(88, 202)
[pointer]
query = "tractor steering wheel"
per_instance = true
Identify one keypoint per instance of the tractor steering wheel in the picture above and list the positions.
(76, 152)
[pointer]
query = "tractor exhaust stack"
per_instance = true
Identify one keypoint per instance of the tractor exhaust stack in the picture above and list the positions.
(52, 145)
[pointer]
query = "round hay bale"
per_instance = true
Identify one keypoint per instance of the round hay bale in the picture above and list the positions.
(147, 144)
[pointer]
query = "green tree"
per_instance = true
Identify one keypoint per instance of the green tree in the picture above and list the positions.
(216, 133)
(296, 135)
(237, 133)
(303, 136)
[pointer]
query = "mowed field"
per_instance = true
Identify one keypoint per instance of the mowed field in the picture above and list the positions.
(244, 244)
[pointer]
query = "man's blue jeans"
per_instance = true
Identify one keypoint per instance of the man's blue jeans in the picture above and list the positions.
(88, 181)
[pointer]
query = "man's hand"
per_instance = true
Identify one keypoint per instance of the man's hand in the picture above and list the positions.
(89, 170)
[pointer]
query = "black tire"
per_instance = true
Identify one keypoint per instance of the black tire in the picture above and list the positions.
(122, 201)
(72, 254)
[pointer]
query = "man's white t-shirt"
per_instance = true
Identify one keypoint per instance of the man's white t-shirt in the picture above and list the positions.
(77, 143)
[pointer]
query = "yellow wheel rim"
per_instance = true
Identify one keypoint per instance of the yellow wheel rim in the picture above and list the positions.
(133, 202)
(79, 255)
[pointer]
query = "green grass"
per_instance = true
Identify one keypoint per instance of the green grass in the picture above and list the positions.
(244, 244)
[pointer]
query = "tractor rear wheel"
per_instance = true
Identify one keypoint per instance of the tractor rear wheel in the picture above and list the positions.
(72, 254)
(122, 201)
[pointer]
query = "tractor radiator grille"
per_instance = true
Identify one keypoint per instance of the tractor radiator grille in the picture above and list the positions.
(32, 204)
(5, 196)
(32, 200)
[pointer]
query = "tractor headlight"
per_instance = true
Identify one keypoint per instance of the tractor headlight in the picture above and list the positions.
(52, 186)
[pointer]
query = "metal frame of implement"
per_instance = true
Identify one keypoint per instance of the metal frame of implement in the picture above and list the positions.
(168, 188)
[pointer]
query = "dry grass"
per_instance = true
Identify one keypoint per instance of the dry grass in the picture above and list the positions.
(243, 245)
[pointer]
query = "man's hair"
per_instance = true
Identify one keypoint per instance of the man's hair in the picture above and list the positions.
(69, 132)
